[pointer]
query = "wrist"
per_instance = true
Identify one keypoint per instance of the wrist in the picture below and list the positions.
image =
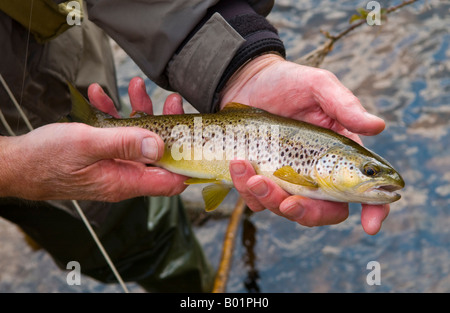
(235, 89)
(6, 169)
(231, 33)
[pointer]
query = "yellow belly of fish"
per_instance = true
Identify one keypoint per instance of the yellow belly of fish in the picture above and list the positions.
(202, 169)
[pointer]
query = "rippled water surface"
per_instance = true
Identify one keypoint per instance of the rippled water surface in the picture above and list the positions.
(401, 72)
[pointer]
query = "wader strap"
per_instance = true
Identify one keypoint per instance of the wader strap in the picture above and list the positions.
(48, 19)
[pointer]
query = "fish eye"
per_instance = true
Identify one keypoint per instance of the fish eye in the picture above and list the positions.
(370, 170)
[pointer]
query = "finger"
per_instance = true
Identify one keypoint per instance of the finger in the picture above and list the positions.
(240, 172)
(173, 104)
(127, 179)
(338, 128)
(372, 216)
(309, 212)
(267, 192)
(139, 99)
(156, 181)
(340, 103)
(100, 100)
(125, 143)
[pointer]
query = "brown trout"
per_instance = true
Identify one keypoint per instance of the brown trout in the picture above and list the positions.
(301, 158)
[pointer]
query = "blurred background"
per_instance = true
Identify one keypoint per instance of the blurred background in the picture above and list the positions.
(401, 72)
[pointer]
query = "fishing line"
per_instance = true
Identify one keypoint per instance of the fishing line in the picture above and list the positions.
(100, 246)
(2, 117)
(30, 127)
(26, 54)
(16, 104)
(74, 202)
(5, 124)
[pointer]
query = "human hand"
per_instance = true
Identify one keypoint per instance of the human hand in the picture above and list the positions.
(77, 161)
(312, 95)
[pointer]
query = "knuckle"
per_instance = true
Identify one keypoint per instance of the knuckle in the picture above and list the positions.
(124, 145)
(324, 74)
(322, 77)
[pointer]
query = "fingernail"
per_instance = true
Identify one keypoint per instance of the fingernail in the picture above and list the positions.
(142, 83)
(259, 189)
(150, 148)
(100, 89)
(238, 168)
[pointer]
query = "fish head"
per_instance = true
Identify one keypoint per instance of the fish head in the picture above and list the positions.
(356, 174)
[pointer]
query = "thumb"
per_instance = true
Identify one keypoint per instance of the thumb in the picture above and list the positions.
(125, 143)
(356, 119)
(342, 105)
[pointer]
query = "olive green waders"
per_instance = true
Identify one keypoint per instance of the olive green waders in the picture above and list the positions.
(149, 239)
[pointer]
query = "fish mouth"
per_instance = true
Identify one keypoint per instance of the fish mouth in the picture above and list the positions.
(388, 190)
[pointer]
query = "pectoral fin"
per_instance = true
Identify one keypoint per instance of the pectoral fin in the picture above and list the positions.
(288, 174)
(213, 195)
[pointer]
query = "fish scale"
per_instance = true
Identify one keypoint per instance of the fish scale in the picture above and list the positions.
(301, 158)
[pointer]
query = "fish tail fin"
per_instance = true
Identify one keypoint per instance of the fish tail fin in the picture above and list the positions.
(82, 111)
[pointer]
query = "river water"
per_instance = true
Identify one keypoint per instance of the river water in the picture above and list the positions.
(401, 72)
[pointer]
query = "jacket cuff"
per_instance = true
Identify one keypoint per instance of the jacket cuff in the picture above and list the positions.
(196, 70)
(228, 37)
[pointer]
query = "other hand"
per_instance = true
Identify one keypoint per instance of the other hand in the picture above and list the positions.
(312, 95)
(76, 161)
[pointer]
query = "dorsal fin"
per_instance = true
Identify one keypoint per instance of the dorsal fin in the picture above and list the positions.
(235, 106)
